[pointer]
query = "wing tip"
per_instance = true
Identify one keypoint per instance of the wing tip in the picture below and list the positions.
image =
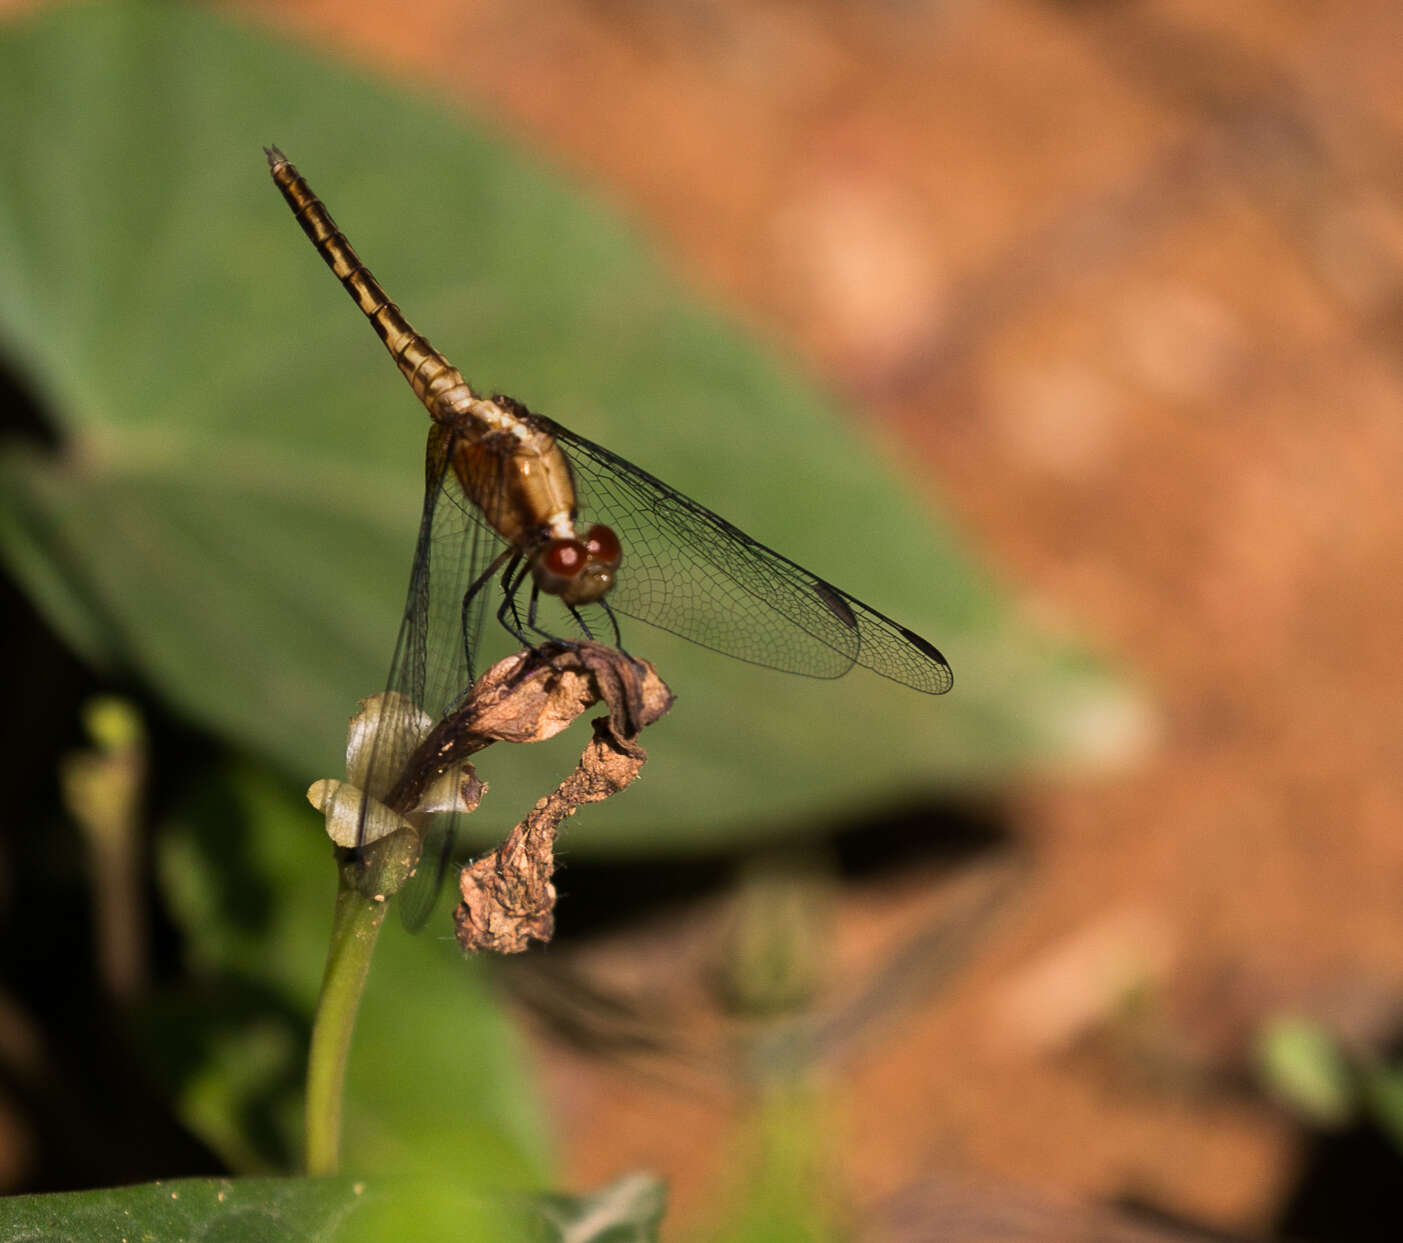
(943, 676)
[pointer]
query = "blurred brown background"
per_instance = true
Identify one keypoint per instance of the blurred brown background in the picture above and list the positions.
(1122, 280)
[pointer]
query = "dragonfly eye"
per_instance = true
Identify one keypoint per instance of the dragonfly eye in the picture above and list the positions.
(603, 546)
(561, 559)
(578, 571)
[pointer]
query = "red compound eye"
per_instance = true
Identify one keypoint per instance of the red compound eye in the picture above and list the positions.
(603, 545)
(564, 558)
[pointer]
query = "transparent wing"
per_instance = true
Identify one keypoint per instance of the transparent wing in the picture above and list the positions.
(690, 572)
(438, 644)
(432, 667)
(417, 899)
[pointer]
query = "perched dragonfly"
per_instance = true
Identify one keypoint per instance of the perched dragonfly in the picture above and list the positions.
(513, 496)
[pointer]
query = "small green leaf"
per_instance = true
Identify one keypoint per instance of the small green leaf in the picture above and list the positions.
(1382, 1088)
(783, 1188)
(1303, 1066)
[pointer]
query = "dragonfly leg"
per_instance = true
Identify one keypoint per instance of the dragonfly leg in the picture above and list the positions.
(531, 611)
(532, 624)
(618, 638)
(511, 583)
(476, 586)
(613, 622)
(580, 622)
(509, 614)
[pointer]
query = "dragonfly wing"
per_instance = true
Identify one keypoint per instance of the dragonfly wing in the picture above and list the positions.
(442, 626)
(432, 667)
(417, 899)
(689, 571)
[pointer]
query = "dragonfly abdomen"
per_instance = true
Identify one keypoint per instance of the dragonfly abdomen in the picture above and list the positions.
(435, 381)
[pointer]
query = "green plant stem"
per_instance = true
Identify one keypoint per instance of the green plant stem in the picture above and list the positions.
(354, 929)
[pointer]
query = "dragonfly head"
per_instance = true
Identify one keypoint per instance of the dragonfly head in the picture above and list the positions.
(579, 571)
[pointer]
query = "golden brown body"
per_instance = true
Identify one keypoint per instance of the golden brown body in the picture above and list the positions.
(694, 573)
(521, 487)
(509, 466)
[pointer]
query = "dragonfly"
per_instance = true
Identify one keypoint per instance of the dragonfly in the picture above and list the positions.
(573, 535)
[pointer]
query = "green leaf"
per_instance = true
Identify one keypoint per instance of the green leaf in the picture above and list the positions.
(232, 510)
(187, 1209)
(1382, 1090)
(1305, 1068)
(275, 1210)
(783, 1187)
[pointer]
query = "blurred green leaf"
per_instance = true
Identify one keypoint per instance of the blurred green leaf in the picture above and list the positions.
(232, 509)
(275, 1210)
(437, 1082)
(1305, 1068)
(1382, 1089)
(782, 1186)
(207, 1209)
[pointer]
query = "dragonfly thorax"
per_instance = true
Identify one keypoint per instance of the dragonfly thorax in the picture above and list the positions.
(579, 571)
